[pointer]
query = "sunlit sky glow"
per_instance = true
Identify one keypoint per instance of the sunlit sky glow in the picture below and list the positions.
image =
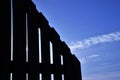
(91, 28)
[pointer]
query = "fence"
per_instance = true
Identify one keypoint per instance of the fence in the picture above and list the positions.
(30, 48)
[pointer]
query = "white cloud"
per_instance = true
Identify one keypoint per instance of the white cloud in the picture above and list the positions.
(95, 40)
(91, 58)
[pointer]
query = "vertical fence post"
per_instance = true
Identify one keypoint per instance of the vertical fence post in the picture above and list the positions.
(76, 68)
(19, 39)
(55, 38)
(33, 43)
(45, 47)
(5, 43)
(67, 62)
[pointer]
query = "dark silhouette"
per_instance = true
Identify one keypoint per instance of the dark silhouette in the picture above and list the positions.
(23, 16)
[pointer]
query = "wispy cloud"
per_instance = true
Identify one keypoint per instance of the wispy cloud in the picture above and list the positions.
(95, 40)
(89, 58)
(93, 56)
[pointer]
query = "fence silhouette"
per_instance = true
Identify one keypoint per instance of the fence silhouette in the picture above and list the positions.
(30, 48)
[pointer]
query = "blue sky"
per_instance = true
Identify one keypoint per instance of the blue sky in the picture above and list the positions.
(91, 28)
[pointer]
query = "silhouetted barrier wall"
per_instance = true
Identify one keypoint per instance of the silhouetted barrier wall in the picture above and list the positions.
(30, 48)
